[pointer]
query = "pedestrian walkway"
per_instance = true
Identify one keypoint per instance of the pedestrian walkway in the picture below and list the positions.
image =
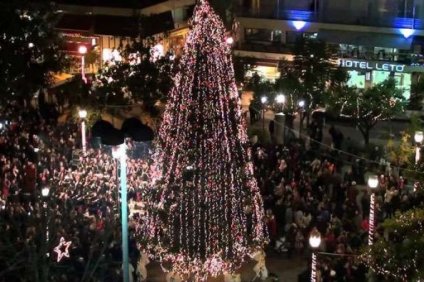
(378, 135)
(286, 269)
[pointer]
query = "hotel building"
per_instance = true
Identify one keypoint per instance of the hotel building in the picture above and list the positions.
(375, 39)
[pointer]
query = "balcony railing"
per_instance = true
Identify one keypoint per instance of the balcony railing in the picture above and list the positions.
(336, 16)
(273, 47)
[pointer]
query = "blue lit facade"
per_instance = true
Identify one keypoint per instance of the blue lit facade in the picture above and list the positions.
(387, 34)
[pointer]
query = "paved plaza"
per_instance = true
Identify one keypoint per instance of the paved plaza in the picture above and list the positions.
(286, 269)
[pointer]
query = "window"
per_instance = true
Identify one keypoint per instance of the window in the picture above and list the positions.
(293, 36)
(253, 34)
(276, 36)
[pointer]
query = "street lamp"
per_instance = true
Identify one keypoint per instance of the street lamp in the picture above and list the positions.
(83, 114)
(301, 105)
(280, 99)
(83, 50)
(264, 100)
(120, 153)
(372, 183)
(314, 242)
(418, 139)
(45, 191)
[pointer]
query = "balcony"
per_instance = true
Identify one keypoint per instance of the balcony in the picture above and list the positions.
(334, 16)
(277, 51)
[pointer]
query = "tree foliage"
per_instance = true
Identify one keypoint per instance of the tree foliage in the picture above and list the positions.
(417, 94)
(312, 72)
(399, 256)
(368, 106)
(30, 48)
(140, 78)
(401, 154)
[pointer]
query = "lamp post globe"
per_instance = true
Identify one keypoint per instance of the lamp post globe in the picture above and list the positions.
(280, 99)
(82, 113)
(45, 191)
(373, 181)
(82, 49)
(264, 99)
(230, 40)
(315, 239)
(419, 136)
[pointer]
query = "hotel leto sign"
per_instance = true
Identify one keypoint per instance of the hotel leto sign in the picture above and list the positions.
(366, 65)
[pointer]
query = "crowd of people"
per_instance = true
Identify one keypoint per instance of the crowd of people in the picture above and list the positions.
(303, 188)
(82, 205)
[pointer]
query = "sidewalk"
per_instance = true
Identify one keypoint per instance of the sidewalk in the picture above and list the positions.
(377, 135)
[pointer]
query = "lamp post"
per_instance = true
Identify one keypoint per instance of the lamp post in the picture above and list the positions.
(83, 50)
(280, 99)
(264, 100)
(301, 105)
(418, 139)
(372, 183)
(314, 242)
(45, 191)
(83, 114)
(120, 153)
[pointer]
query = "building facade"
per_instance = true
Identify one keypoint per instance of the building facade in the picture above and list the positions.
(374, 39)
(105, 27)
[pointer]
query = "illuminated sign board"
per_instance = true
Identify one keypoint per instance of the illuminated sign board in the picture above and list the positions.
(365, 65)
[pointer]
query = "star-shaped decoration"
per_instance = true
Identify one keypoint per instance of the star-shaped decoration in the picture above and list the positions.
(62, 249)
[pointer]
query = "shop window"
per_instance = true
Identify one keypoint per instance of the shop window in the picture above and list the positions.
(310, 35)
(276, 36)
(368, 76)
(356, 79)
(253, 34)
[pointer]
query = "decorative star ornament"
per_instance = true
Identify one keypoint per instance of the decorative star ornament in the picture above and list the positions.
(62, 249)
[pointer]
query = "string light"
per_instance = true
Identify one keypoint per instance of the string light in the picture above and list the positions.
(205, 212)
(62, 249)
(371, 220)
(399, 259)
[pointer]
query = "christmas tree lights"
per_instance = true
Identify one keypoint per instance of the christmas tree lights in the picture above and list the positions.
(205, 209)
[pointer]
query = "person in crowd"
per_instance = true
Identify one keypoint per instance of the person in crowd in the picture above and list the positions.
(302, 188)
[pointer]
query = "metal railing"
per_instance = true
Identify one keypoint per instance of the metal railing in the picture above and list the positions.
(335, 16)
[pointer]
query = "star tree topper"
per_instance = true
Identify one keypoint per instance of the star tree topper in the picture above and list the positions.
(62, 249)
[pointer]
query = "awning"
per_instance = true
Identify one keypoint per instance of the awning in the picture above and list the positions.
(112, 3)
(365, 39)
(117, 25)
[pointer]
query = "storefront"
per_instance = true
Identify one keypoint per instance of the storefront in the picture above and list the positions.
(365, 74)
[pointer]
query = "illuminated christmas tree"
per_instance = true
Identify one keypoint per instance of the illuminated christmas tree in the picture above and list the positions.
(206, 212)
